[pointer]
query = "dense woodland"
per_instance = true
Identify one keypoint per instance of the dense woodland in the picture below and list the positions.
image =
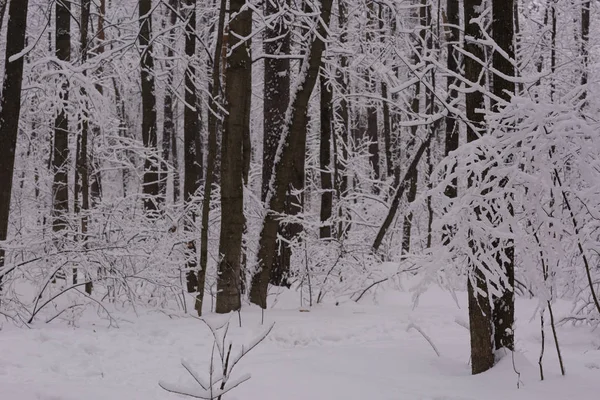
(201, 155)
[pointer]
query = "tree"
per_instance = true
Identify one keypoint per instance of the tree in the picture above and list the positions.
(480, 310)
(293, 139)
(238, 75)
(276, 90)
(150, 185)
(10, 110)
(325, 157)
(192, 168)
(504, 88)
(60, 151)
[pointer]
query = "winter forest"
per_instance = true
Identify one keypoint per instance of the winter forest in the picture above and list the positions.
(299, 199)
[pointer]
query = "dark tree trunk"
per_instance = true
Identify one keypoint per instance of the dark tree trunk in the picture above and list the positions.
(325, 159)
(503, 34)
(343, 126)
(294, 136)
(169, 133)
(480, 318)
(415, 107)
(192, 171)
(82, 186)
(372, 117)
(585, 53)
(237, 123)
(60, 159)
(10, 110)
(94, 164)
(452, 37)
(150, 184)
(276, 100)
(216, 91)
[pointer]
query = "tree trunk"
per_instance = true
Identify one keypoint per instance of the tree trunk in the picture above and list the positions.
(192, 173)
(10, 110)
(480, 318)
(60, 160)
(216, 91)
(293, 136)
(372, 117)
(452, 38)
(150, 184)
(82, 168)
(343, 127)
(585, 54)
(276, 101)
(503, 34)
(325, 159)
(237, 124)
(169, 133)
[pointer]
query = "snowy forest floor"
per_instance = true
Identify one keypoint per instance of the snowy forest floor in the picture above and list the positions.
(346, 352)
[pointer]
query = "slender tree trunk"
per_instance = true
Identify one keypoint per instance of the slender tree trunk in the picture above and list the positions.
(411, 195)
(342, 134)
(503, 34)
(82, 169)
(96, 174)
(10, 110)
(294, 136)
(480, 312)
(325, 158)
(585, 54)
(216, 92)
(168, 114)
(192, 172)
(150, 184)
(452, 63)
(237, 123)
(372, 116)
(60, 160)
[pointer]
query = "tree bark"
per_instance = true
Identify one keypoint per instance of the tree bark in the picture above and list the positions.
(503, 34)
(237, 122)
(293, 137)
(452, 63)
(372, 117)
(480, 317)
(150, 180)
(192, 172)
(325, 159)
(10, 110)
(276, 101)
(60, 159)
(169, 133)
(216, 91)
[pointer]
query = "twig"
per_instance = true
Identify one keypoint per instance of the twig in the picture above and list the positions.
(418, 329)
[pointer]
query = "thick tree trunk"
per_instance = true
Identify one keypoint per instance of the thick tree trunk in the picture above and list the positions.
(237, 123)
(192, 172)
(10, 110)
(325, 159)
(150, 184)
(276, 101)
(60, 159)
(503, 34)
(480, 317)
(294, 136)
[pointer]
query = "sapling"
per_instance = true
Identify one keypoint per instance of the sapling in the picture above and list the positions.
(219, 381)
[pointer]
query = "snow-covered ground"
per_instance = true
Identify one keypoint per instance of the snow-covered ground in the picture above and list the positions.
(346, 352)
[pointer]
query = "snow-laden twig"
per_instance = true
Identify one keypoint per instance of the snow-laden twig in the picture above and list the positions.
(418, 329)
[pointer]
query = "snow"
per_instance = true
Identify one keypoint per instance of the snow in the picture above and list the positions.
(351, 351)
